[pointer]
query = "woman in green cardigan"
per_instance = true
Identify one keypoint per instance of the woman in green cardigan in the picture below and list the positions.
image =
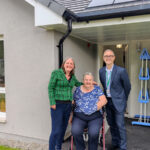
(60, 95)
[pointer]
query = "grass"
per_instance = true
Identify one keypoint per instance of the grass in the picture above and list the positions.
(8, 148)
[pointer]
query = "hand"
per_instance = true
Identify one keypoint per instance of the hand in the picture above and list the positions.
(53, 107)
(70, 118)
(102, 101)
(99, 106)
(95, 83)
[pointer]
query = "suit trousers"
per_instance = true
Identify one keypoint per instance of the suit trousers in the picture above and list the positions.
(116, 122)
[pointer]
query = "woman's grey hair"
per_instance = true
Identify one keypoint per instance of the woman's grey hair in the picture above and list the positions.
(68, 57)
(88, 73)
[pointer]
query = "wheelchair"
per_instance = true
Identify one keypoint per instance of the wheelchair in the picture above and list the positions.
(101, 139)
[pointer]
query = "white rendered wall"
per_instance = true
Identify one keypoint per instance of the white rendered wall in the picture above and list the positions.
(85, 55)
(30, 57)
(29, 60)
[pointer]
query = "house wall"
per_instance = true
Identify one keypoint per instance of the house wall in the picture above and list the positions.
(83, 53)
(29, 60)
(30, 57)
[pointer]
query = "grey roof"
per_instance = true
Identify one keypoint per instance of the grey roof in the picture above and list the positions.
(123, 4)
(95, 3)
(84, 10)
(83, 6)
(139, 4)
(74, 5)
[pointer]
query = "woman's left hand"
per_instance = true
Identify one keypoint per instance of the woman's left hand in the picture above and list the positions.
(99, 105)
(95, 83)
(102, 101)
(70, 118)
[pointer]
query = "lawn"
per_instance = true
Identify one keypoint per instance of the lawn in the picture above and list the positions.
(8, 148)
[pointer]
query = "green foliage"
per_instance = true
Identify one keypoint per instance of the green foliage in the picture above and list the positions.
(8, 148)
(2, 97)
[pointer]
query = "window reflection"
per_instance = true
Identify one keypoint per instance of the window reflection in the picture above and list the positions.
(2, 84)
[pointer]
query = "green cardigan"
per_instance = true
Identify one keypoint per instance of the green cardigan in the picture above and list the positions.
(60, 88)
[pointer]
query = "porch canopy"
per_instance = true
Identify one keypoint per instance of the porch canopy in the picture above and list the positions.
(96, 21)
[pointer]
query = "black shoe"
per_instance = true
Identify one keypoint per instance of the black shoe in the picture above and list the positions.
(112, 147)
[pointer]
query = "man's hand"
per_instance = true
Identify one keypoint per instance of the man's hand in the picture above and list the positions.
(53, 107)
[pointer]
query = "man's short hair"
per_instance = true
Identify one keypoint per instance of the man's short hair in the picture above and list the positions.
(109, 50)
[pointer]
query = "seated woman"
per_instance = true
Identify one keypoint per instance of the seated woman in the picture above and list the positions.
(89, 100)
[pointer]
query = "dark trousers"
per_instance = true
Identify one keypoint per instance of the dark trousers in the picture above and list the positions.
(117, 125)
(93, 123)
(59, 118)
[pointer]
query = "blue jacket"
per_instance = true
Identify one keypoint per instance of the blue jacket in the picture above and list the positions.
(119, 86)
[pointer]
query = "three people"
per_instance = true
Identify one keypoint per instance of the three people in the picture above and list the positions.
(117, 87)
(60, 95)
(89, 100)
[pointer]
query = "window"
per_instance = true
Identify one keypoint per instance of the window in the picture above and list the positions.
(95, 3)
(2, 84)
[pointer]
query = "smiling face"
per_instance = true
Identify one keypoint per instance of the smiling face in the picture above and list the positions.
(109, 57)
(88, 81)
(69, 65)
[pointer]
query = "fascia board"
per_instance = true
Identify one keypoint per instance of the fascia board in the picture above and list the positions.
(110, 22)
(44, 16)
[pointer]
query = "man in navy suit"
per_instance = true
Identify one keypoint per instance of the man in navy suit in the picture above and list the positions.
(117, 87)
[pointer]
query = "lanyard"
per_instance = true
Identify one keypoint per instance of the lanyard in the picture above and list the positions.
(108, 80)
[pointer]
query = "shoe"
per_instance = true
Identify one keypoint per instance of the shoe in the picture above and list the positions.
(112, 147)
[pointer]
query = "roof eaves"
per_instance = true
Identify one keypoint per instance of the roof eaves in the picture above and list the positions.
(132, 10)
(59, 9)
(116, 12)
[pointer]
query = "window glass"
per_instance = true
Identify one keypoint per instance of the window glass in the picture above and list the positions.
(2, 84)
(95, 3)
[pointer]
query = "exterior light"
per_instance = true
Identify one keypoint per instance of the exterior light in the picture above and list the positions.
(119, 46)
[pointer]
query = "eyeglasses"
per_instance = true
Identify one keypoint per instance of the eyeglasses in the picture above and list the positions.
(108, 56)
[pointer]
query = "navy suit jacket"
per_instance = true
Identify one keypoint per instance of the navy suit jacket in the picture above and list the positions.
(119, 86)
